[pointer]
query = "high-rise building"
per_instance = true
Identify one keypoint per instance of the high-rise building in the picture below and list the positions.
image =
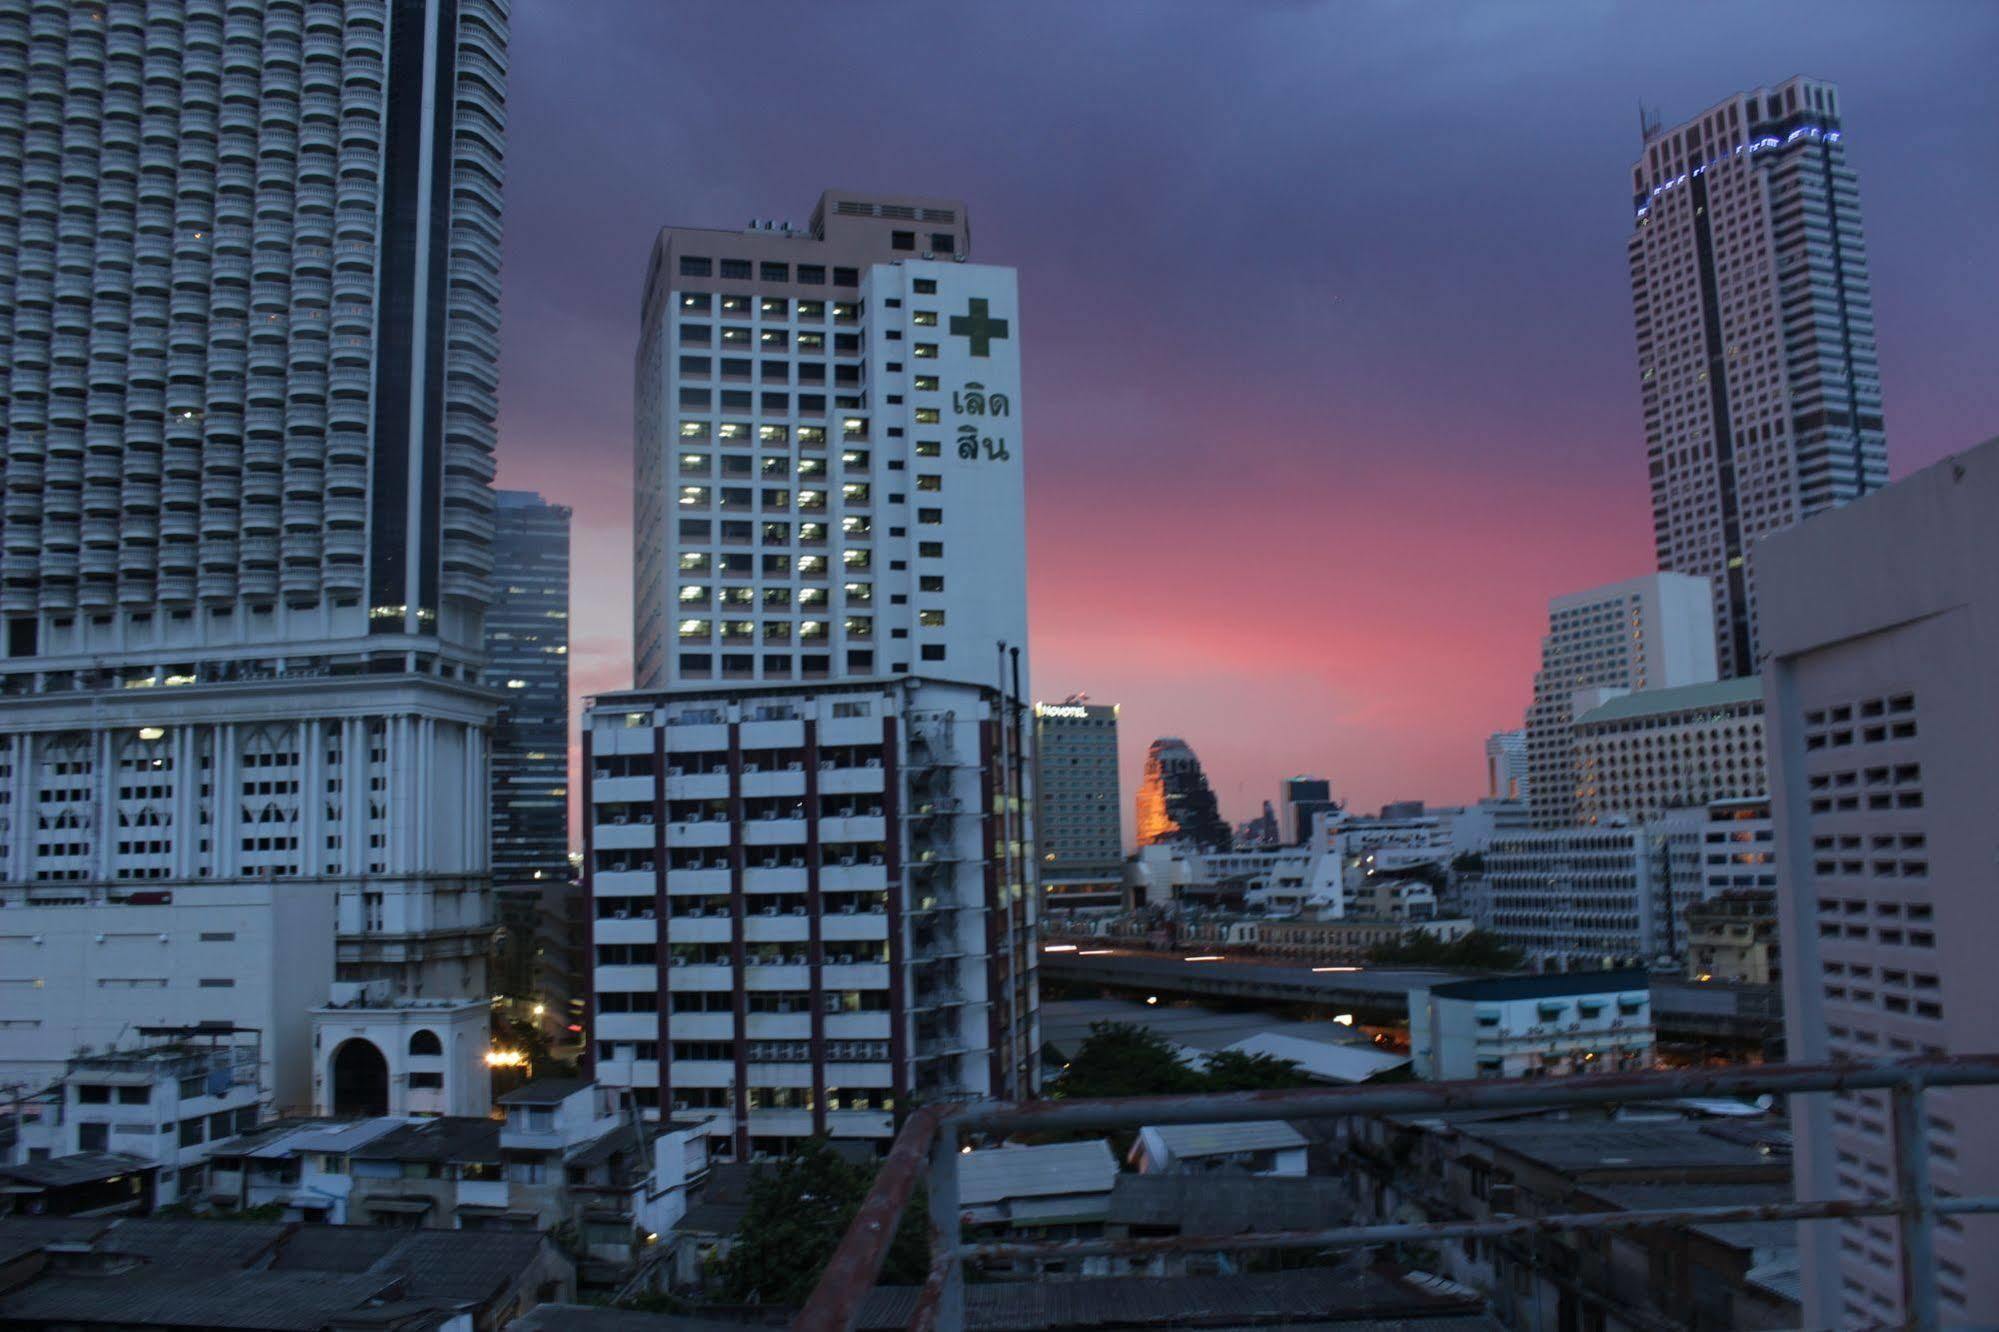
(1174, 802)
(1078, 836)
(1302, 800)
(527, 651)
(1652, 632)
(1639, 755)
(1506, 765)
(831, 571)
(829, 452)
(1882, 623)
(249, 264)
(1756, 361)
(527, 654)
(811, 905)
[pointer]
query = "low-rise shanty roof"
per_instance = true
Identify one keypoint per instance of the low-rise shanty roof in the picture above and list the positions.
(1053, 1170)
(1227, 1204)
(1193, 1141)
(544, 1091)
(1323, 1060)
(446, 1138)
(61, 1172)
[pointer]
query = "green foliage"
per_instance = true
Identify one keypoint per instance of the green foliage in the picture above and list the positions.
(798, 1213)
(1479, 950)
(655, 1301)
(1124, 1059)
(1233, 1070)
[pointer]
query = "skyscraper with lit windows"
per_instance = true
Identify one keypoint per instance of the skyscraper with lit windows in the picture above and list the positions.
(1756, 360)
(249, 314)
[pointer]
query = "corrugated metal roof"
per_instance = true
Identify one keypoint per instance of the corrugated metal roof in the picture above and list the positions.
(1196, 1140)
(1322, 1059)
(1036, 1172)
(335, 1137)
(1218, 1204)
(268, 1301)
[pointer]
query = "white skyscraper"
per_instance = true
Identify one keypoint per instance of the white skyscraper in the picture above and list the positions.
(1756, 361)
(249, 282)
(1506, 765)
(1883, 627)
(1644, 633)
(829, 452)
(808, 842)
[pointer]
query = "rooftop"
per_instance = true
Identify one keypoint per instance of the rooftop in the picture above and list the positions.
(446, 1138)
(1348, 1062)
(1498, 989)
(1612, 1148)
(60, 1172)
(1054, 1170)
(1209, 1204)
(1680, 698)
(544, 1091)
(1196, 1140)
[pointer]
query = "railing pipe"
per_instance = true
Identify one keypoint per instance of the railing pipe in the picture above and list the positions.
(941, 1303)
(856, 1265)
(1920, 1304)
(1472, 1094)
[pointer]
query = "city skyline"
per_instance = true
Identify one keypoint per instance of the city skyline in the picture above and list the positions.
(1173, 607)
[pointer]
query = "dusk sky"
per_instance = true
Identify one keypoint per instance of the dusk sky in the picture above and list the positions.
(1329, 374)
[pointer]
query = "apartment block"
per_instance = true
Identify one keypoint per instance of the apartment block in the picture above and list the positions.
(1078, 836)
(1640, 755)
(811, 905)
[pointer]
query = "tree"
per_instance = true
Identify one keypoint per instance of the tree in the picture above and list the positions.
(1479, 950)
(1124, 1059)
(798, 1212)
(1236, 1070)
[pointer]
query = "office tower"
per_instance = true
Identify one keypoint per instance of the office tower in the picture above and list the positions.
(840, 871)
(1641, 754)
(1653, 632)
(249, 266)
(1756, 362)
(1174, 802)
(527, 657)
(831, 564)
(1506, 765)
(1882, 623)
(1078, 837)
(829, 452)
(1302, 800)
(527, 652)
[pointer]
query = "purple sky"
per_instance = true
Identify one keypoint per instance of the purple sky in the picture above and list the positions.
(1328, 349)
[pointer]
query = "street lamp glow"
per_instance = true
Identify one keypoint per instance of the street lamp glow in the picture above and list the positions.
(1344, 1019)
(1205, 957)
(1335, 968)
(1058, 948)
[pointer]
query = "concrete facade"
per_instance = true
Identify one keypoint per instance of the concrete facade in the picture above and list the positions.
(1882, 624)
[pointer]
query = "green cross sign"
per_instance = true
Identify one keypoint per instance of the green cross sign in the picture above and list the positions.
(979, 326)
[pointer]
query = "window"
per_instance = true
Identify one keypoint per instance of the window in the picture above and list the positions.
(927, 416)
(924, 286)
(692, 266)
(902, 240)
(924, 351)
(943, 242)
(930, 619)
(426, 1081)
(695, 302)
(930, 583)
(846, 277)
(929, 482)
(930, 550)
(928, 517)
(770, 272)
(425, 1042)
(927, 448)
(737, 269)
(933, 652)
(811, 275)
(924, 318)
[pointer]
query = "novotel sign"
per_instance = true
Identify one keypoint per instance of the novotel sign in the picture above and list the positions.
(1060, 710)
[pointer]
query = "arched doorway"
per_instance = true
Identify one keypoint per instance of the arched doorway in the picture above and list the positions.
(360, 1079)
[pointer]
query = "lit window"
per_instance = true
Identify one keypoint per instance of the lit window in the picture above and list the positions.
(693, 497)
(927, 448)
(694, 430)
(930, 619)
(929, 481)
(812, 629)
(694, 628)
(693, 595)
(860, 626)
(694, 462)
(734, 430)
(855, 492)
(925, 383)
(922, 351)
(695, 300)
(693, 561)
(924, 318)
(927, 416)
(860, 591)
(813, 596)
(812, 435)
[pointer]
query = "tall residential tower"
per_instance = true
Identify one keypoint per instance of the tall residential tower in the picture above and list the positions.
(1756, 361)
(249, 317)
(807, 839)
(1078, 837)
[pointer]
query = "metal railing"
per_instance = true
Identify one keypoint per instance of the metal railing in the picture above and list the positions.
(931, 1138)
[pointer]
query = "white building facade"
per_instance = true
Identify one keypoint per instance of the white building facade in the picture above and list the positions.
(809, 905)
(1882, 624)
(1654, 632)
(1642, 754)
(1532, 1026)
(1506, 765)
(829, 452)
(247, 400)
(1757, 368)
(1594, 897)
